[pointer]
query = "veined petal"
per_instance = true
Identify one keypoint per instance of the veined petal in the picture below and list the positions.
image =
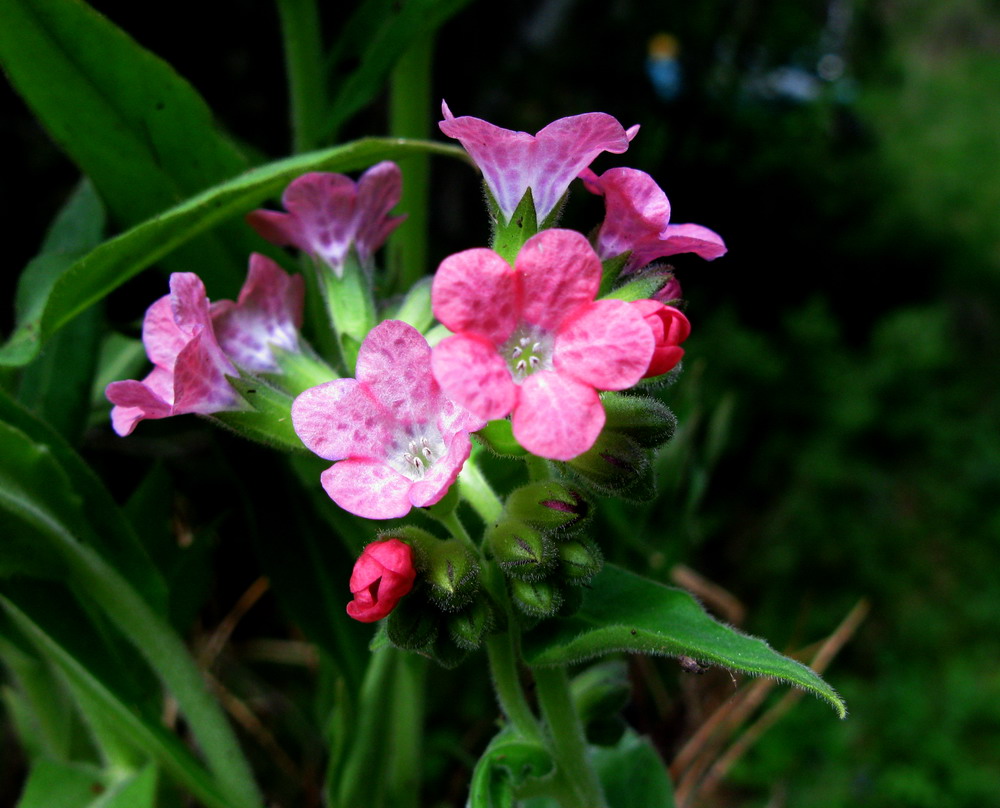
(395, 362)
(693, 238)
(368, 488)
(379, 191)
(189, 303)
(341, 419)
(200, 383)
(324, 205)
(474, 375)
(443, 473)
(607, 345)
(135, 401)
(557, 417)
(559, 272)
(475, 291)
(161, 337)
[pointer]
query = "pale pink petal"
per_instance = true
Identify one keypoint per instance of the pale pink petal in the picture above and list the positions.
(368, 488)
(557, 417)
(341, 419)
(474, 375)
(189, 303)
(268, 313)
(607, 345)
(693, 238)
(379, 191)
(135, 401)
(453, 417)
(200, 383)
(475, 291)
(324, 205)
(395, 362)
(282, 229)
(442, 474)
(559, 272)
(161, 336)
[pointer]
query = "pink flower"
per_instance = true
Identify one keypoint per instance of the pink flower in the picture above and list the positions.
(195, 344)
(532, 341)
(670, 292)
(330, 213)
(267, 314)
(190, 367)
(670, 328)
(382, 575)
(637, 216)
(513, 162)
(400, 441)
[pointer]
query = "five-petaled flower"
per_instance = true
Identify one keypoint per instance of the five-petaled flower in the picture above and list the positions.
(670, 328)
(328, 214)
(400, 441)
(637, 219)
(382, 575)
(530, 340)
(194, 345)
(512, 162)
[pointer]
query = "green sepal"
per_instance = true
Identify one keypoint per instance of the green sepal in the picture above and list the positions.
(412, 625)
(554, 214)
(520, 550)
(269, 420)
(509, 237)
(414, 307)
(647, 421)
(468, 628)
(350, 302)
(536, 598)
(299, 370)
(446, 653)
(549, 505)
(572, 600)
(641, 288)
(580, 559)
(619, 466)
(451, 573)
(611, 270)
(498, 437)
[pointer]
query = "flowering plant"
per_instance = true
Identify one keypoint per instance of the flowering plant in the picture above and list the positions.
(478, 423)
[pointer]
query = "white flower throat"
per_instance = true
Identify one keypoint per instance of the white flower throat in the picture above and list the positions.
(528, 350)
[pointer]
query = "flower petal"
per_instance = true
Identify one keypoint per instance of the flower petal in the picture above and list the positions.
(685, 238)
(341, 419)
(557, 417)
(474, 375)
(368, 488)
(395, 362)
(475, 291)
(135, 401)
(161, 336)
(379, 191)
(442, 473)
(607, 345)
(324, 205)
(200, 383)
(559, 272)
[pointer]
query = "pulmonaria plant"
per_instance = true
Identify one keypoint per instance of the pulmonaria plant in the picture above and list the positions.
(400, 441)
(637, 221)
(546, 163)
(531, 341)
(382, 575)
(194, 345)
(329, 214)
(670, 328)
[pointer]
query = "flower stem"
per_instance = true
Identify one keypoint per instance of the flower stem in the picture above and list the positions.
(300, 30)
(500, 648)
(569, 747)
(476, 490)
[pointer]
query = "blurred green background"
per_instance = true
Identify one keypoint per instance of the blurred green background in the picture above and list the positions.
(839, 412)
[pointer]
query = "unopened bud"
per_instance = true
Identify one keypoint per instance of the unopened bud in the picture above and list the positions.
(412, 625)
(451, 572)
(549, 505)
(536, 598)
(520, 549)
(468, 627)
(579, 560)
(647, 421)
(619, 466)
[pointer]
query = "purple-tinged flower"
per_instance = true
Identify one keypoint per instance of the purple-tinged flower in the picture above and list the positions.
(190, 366)
(512, 162)
(399, 441)
(267, 314)
(530, 340)
(637, 216)
(330, 213)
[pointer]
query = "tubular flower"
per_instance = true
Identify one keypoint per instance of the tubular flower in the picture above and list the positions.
(382, 575)
(512, 162)
(330, 213)
(670, 328)
(399, 440)
(532, 341)
(190, 366)
(637, 216)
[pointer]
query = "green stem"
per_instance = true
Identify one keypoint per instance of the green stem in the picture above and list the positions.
(500, 649)
(538, 468)
(300, 30)
(476, 490)
(566, 738)
(409, 117)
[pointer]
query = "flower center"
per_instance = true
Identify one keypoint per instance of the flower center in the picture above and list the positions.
(415, 450)
(527, 350)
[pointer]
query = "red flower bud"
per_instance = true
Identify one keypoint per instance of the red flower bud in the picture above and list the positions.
(382, 575)
(670, 328)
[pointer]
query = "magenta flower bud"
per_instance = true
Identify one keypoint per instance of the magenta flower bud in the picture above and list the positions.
(671, 292)
(382, 575)
(670, 328)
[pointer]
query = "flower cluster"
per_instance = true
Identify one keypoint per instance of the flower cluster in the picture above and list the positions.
(537, 337)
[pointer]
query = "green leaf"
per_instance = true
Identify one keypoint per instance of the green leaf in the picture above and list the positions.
(137, 791)
(506, 765)
(105, 269)
(624, 612)
(142, 134)
(633, 774)
(52, 784)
